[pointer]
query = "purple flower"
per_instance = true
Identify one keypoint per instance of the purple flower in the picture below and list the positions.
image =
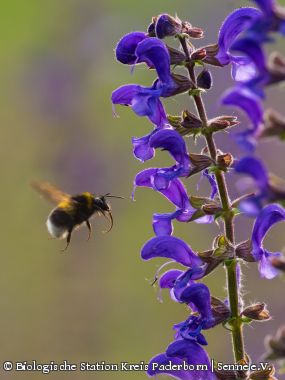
(193, 354)
(250, 103)
(166, 26)
(198, 297)
(269, 216)
(176, 193)
(145, 100)
(267, 192)
(236, 23)
(172, 248)
(125, 50)
(251, 68)
(183, 360)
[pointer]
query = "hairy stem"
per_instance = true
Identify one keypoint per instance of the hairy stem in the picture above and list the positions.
(231, 265)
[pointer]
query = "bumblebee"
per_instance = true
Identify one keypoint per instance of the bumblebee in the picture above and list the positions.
(72, 212)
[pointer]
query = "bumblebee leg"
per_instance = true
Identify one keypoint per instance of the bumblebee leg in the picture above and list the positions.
(67, 241)
(89, 229)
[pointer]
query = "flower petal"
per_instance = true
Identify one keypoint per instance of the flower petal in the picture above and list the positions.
(125, 50)
(255, 169)
(167, 280)
(267, 6)
(266, 268)
(194, 354)
(247, 101)
(175, 192)
(161, 364)
(269, 216)
(199, 295)
(238, 21)
(170, 140)
(254, 52)
(162, 223)
(155, 53)
(172, 248)
(143, 100)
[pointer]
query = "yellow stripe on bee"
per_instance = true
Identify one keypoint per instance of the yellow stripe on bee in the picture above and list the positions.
(89, 197)
(66, 205)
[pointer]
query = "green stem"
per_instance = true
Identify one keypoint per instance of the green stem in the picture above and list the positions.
(231, 265)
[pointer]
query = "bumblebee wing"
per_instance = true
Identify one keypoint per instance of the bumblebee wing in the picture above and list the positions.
(50, 192)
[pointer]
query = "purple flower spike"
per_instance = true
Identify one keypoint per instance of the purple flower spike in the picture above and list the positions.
(172, 248)
(269, 216)
(162, 364)
(237, 22)
(125, 50)
(247, 101)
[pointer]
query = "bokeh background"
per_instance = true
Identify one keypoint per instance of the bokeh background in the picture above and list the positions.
(94, 302)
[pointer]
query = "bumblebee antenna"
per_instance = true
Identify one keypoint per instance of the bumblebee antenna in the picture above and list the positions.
(108, 195)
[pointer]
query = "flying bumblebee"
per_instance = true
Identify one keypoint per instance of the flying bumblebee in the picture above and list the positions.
(72, 211)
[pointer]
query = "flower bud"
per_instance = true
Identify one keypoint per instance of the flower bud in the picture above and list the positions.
(219, 310)
(204, 80)
(223, 249)
(266, 374)
(151, 27)
(176, 56)
(257, 312)
(211, 52)
(278, 263)
(190, 120)
(244, 251)
(211, 209)
(276, 345)
(276, 68)
(199, 54)
(183, 84)
(212, 262)
(167, 26)
(200, 162)
(222, 122)
(192, 31)
(274, 125)
(224, 161)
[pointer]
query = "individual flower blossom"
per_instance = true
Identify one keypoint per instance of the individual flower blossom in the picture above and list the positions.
(269, 216)
(268, 188)
(190, 353)
(176, 193)
(145, 101)
(198, 297)
(251, 104)
(236, 23)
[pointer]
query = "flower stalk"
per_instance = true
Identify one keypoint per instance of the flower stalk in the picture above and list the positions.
(228, 217)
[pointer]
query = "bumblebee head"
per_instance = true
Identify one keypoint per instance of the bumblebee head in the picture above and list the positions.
(101, 203)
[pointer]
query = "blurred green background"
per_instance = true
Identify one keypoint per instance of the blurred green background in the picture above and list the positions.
(94, 302)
